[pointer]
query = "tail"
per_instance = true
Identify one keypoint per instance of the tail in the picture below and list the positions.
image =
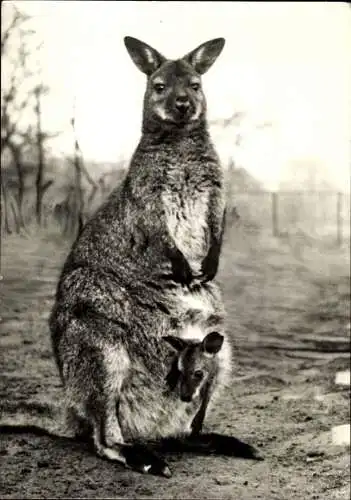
(38, 418)
(26, 429)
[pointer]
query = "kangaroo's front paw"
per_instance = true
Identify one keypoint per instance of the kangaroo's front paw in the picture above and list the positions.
(142, 459)
(182, 272)
(210, 263)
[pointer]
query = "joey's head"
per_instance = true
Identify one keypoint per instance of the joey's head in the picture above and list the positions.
(195, 364)
(174, 98)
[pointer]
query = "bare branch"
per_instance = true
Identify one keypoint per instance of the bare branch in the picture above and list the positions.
(46, 185)
(78, 152)
(264, 125)
(17, 19)
(235, 119)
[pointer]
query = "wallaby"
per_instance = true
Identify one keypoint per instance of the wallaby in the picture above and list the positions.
(140, 276)
(184, 374)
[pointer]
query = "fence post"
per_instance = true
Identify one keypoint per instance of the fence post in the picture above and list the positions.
(339, 235)
(275, 223)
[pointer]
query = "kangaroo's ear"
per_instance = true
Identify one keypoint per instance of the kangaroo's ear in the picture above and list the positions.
(212, 343)
(176, 342)
(205, 55)
(147, 59)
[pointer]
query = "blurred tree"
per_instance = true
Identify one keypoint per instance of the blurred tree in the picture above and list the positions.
(78, 164)
(235, 122)
(22, 92)
(41, 187)
(14, 34)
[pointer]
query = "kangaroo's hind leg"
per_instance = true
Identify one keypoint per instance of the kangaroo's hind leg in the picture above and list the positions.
(108, 370)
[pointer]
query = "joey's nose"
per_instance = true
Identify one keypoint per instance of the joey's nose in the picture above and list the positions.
(186, 398)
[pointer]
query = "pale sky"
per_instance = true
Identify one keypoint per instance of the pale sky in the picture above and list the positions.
(283, 61)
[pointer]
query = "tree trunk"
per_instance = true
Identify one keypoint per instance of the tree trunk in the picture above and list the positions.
(18, 164)
(40, 148)
(4, 208)
(78, 188)
(17, 160)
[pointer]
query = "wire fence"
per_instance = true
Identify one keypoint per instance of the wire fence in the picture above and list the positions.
(317, 213)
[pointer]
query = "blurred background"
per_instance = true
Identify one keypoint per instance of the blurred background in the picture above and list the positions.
(279, 102)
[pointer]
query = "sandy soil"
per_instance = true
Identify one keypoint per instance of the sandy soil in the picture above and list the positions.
(289, 324)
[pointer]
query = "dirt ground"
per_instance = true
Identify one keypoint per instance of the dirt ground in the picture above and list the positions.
(288, 320)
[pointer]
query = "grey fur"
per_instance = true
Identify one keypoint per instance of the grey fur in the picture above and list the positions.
(143, 268)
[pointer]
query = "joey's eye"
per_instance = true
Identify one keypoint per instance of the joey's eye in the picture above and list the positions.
(159, 87)
(195, 86)
(199, 374)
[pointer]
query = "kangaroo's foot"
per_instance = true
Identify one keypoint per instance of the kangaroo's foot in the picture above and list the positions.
(109, 443)
(141, 458)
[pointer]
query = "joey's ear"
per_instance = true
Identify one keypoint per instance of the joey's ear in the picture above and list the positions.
(212, 343)
(147, 59)
(205, 55)
(176, 342)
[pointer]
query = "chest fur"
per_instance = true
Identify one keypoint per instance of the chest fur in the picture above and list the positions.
(187, 222)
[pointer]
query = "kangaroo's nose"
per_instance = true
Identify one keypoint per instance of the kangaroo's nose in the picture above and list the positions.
(182, 103)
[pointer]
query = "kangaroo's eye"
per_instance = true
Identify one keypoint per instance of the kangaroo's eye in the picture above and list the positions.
(199, 374)
(195, 86)
(159, 87)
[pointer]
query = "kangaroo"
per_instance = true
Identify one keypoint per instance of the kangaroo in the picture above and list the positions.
(188, 370)
(141, 272)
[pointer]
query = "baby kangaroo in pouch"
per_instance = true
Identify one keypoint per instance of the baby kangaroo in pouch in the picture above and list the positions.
(189, 371)
(137, 326)
(196, 365)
